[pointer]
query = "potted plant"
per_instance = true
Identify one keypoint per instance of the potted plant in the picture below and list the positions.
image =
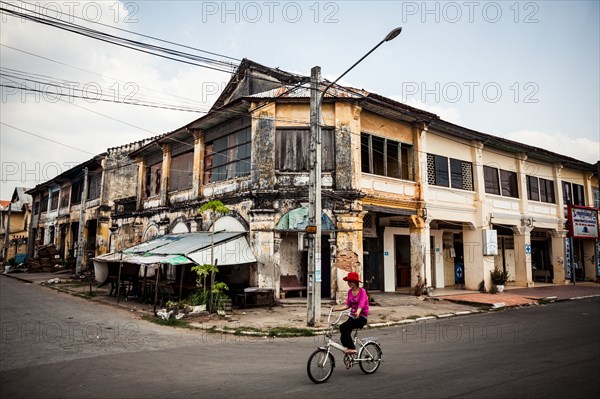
(421, 286)
(499, 278)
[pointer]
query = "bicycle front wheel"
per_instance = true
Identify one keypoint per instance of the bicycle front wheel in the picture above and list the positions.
(320, 366)
(370, 356)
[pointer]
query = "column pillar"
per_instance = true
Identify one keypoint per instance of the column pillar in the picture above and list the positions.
(262, 239)
(165, 178)
(349, 254)
(198, 164)
(420, 261)
(523, 274)
(477, 265)
(141, 192)
(521, 159)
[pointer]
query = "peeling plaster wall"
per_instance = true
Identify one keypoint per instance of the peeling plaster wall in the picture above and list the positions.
(262, 239)
(347, 147)
(263, 148)
(349, 251)
(290, 261)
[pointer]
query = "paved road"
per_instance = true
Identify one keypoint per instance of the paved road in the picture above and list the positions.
(544, 351)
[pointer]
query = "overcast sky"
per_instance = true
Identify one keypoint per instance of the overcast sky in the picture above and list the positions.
(526, 71)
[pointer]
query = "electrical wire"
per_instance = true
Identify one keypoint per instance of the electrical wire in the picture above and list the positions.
(91, 33)
(140, 34)
(45, 138)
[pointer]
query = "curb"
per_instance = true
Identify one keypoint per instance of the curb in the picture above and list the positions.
(17, 278)
(322, 331)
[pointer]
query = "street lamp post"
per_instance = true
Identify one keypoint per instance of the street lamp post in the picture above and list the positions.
(314, 195)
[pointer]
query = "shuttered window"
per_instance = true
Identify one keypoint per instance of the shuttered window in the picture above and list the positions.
(449, 172)
(385, 157)
(181, 172)
(292, 150)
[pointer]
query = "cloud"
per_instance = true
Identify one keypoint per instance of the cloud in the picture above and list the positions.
(575, 147)
(45, 53)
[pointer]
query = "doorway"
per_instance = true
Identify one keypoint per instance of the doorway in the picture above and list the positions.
(373, 264)
(402, 246)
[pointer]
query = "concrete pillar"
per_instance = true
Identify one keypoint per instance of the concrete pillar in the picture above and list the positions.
(522, 237)
(521, 159)
(420, 261)
(559, 192)
(588, 260)
(141, 192)
(198, 164)
(437, 267)
(262, 240)
(420, 157)
(347, 145)
(477, 265)
(263, 147)
(165, 178)
(349, 255)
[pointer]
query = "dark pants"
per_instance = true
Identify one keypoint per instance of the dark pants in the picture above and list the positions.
(346, 330)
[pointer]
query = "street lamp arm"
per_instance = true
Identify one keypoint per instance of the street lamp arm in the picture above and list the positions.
(390, 36)
(349, 69)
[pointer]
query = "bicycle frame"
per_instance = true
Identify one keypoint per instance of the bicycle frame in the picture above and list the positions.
(358, 343)
(321, 362)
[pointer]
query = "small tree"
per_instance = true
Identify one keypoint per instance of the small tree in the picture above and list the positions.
(203, 271)
(215, 207)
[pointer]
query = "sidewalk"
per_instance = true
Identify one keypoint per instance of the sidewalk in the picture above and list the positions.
(291, 314)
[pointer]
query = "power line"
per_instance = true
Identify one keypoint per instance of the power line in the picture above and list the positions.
(143, 35)
(97, 74)
(47, 139)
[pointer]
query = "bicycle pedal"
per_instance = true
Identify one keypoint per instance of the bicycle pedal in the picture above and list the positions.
(349, 361)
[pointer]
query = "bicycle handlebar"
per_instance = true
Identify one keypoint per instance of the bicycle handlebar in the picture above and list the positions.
(343, 312)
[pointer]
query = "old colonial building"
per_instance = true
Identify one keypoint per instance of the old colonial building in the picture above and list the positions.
(407, 198)
(82, 196)
(496, 203)
(15, 218)
(251, 152)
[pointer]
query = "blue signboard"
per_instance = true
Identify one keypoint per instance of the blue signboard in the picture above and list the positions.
(459, 273)
(528, 249)
(568, 258)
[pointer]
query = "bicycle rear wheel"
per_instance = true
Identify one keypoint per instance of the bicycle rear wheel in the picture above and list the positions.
(320, 366)
(372, 352)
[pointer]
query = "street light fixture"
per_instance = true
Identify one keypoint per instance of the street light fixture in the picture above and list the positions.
(314, 195)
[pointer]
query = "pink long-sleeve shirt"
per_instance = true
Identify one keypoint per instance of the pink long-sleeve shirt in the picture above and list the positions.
(361, 300)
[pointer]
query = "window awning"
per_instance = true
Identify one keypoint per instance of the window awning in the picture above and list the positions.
(297, 220)
(179, 249)
(232, 252)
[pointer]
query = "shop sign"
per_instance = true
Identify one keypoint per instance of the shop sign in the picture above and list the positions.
(583, 222)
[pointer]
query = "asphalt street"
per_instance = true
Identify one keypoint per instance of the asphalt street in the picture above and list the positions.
(56, 345)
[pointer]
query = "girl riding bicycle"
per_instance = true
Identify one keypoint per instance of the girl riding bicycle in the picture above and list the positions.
(358, 303)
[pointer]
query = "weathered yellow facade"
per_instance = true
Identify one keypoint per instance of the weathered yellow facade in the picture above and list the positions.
(408, 199)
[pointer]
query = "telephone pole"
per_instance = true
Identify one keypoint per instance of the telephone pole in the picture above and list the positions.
(314, 186)
(81, 223)
(314, 202)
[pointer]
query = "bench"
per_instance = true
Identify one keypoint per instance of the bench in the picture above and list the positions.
(290, 283)
(541, 273)
(256, 291)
